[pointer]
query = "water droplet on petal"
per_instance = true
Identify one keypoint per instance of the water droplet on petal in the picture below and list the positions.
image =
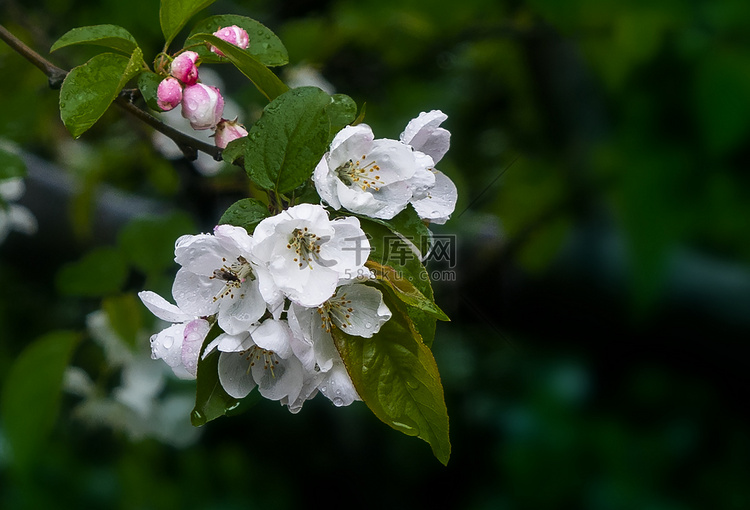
(168, 342)
(368, 325)
(338, 402)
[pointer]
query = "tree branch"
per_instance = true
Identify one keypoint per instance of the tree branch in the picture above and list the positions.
(187, 144)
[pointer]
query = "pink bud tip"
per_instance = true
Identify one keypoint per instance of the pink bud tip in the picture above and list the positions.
(168, 94)
(184, 69)
(233, 35)
(202, 106)
(227, 131)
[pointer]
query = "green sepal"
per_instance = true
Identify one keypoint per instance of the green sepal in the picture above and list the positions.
(289, 139)
(89, 89)
(31, 394)
(264, 45)
(246, 213)
(174, 14)
(211, 401)
(263, 78)
(110, 36)
(395, 374)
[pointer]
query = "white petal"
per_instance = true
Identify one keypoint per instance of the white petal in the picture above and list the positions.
(439, 202)
(234, 343)
(395, 160)
(424, 134)
(241, 308)
(368, 311)
(282, 380)
(338, 386)
(202, 254)
(234, 374)
(348, 249)
(316, 341)
(195, 294)
(325, 183)
(352, 142)
(193, 337)
(167, 345)
(162, 308)
(234, 239)
(274, 336)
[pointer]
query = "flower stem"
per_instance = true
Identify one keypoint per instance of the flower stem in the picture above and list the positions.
(56, 75)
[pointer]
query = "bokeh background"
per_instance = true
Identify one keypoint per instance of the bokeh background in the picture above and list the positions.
(596, 357)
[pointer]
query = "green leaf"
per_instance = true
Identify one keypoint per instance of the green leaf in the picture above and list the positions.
(341, 112)
(148, 83)
(31, 394)
(11, 165)
(288, 140)
(235, 150)
(125, 316)
(246, 213)
(89, 89)
(389, 248)
(264, 45)
(404, 289)
(100, 272)
(211, 401)
(396, 375)
(263, 78)
(173, 15)
(111, 36)
(148, 242)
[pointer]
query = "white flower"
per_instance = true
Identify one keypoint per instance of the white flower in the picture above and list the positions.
(357, 310)
(367, 176)
(306, 253)
(260, 357)
(178, 345)
(14, 216)
(219, 276)
(433, 194)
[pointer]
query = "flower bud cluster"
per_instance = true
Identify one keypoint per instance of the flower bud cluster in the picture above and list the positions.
(277, 295)
(202, 105)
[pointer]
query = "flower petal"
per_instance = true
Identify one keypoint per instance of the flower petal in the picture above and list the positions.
(275, 336)
(193, 337)
(241, 308)
(195, 294)
(359, 310)
(234, 375)
(277, 381)
(439, 202)
(424, 134)
(338, 386)
(162, 308)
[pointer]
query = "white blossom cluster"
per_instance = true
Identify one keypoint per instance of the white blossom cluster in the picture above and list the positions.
(276, 295)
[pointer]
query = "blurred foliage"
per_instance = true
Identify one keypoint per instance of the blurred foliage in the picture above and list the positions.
(605, 388)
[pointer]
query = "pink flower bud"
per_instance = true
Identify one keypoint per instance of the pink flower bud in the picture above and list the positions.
(202, 106)
(184, 69)
(227, 131)
(233, 35)
(168, 94)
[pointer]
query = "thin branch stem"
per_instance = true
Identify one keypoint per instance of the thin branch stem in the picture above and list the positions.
(187, 144)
